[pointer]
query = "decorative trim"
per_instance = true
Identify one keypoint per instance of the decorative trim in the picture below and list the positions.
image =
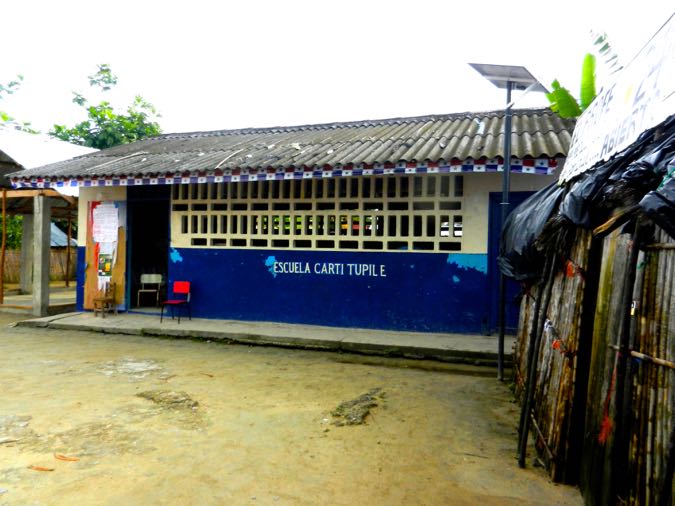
(542, 166)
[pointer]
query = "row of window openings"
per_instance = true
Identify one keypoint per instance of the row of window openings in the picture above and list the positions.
(326, 225)
(349, 187)
(322, 206)
(327, 244)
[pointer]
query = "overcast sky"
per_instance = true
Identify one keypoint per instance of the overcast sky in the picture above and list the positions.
(215, 65)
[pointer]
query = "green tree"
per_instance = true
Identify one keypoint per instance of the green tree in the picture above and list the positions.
(104, 127)
(7, 121)
(10, 87)
(14, 231)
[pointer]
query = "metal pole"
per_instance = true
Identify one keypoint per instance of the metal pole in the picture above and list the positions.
(506, 184)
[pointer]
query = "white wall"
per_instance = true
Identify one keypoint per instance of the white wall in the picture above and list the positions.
(477, 188)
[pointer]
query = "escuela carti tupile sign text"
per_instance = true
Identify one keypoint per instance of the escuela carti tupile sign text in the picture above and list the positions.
(325, 268)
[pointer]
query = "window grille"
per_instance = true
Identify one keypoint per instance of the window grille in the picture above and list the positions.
(420, 212)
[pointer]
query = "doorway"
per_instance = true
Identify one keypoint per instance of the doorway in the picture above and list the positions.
(512, 287)
(149, 231)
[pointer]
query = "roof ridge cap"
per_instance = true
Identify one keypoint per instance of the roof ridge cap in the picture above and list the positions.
(347, 124)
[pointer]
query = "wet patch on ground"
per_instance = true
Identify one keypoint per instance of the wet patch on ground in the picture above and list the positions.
(14, 429)
(94, 438)
(115, 436)
(175, 407)
(134, 369)
(355, 411)
(169, 399)
(11, 475)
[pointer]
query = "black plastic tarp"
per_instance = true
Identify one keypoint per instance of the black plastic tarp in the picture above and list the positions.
(518, 257)
(621, 181)
(644, 173)
(659, 204)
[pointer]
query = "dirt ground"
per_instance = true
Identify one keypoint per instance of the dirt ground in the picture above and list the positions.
(106, 419)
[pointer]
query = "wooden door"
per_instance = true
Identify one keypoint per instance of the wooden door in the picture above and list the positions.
(105, 251)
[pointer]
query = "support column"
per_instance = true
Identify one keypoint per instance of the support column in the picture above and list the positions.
(41, 251)
(26, 275)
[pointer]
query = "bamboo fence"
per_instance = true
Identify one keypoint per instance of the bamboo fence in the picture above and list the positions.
(602, 410)
(651, 424)
(58, 265)
(556, 360)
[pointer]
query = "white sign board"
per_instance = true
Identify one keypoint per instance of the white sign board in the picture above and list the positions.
(642, 97)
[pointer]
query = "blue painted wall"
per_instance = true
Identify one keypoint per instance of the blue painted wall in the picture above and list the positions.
(401, 291)
(79, 276)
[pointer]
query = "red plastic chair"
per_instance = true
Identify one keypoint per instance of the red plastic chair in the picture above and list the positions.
(181, 298)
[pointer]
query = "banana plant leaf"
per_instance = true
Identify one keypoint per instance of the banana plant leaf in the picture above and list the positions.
(606, 51)
(562, 101)
(587, 93)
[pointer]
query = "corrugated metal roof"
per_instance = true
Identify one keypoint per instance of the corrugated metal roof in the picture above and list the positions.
(537, 133)
(59, 239)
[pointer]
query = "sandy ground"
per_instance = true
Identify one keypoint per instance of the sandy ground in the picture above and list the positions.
(222, 424)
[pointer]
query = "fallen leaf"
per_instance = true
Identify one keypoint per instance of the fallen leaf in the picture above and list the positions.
(40, 468)
(59, 456)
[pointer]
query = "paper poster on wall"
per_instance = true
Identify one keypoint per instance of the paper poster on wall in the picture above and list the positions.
(105, 262)
(106, 223)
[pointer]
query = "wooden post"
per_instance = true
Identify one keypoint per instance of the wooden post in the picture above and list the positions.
(70, 221)
(4, 246)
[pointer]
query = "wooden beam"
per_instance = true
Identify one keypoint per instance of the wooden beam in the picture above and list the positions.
(16, 194)
(69, 198)
(647, 358)
(661, 245)
(16, 306)
(616, 221)
(58, 212)
(22, 210)
(654, 360)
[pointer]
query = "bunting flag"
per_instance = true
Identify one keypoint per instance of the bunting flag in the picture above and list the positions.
(525, 166)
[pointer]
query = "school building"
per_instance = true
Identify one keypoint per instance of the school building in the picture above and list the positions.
(387, 224)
